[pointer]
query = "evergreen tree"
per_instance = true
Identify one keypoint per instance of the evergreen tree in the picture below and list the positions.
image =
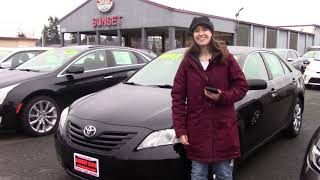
(51, 33)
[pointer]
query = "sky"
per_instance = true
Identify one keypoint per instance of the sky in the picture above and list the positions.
(31, 15)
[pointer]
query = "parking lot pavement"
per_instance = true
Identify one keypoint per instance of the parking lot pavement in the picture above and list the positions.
(25, 158)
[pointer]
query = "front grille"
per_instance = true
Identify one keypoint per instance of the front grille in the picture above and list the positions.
(314, 80)
(106, 141)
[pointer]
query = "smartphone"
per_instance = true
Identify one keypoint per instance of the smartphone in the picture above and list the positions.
(212, 90)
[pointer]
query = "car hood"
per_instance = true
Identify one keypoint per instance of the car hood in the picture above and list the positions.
(315, 65)
(10, 77)
(128, 105)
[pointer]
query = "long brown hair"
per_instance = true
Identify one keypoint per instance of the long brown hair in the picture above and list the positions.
(214, 48)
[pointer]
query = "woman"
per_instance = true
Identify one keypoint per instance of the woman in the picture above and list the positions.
(205, 121)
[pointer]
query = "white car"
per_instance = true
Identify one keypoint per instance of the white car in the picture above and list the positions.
(312, 74)
(13, 57)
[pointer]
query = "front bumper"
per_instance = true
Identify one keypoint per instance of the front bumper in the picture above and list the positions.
(153, 163)
(9, 118)
(311, 78)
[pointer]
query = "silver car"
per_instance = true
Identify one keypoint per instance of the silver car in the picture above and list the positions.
(292, 56)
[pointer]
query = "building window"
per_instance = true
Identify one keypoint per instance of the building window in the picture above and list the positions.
(243, 35)
(293, 40)
(271, 38)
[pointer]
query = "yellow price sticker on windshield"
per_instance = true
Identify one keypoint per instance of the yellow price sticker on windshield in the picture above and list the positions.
(177, 56)
(70, 51)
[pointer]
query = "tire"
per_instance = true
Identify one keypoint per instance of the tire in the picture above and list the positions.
(302, 69)
(40, 116)
(296, 120)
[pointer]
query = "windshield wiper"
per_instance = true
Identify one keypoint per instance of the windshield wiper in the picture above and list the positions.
(28, 70)
(168, 86)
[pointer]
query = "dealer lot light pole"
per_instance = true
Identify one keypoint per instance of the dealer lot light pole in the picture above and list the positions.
(236, 29)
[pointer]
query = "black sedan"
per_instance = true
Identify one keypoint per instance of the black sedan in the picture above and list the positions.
(33, 94)
(311, 165)
(127, 130)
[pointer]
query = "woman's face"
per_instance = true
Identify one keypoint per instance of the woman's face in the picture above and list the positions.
(202, 35)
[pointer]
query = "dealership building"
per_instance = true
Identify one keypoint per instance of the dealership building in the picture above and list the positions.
(149, 25)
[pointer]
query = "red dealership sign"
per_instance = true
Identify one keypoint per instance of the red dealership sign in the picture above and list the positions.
(106, 21)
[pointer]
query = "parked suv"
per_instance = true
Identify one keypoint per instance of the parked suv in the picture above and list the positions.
(33, 94)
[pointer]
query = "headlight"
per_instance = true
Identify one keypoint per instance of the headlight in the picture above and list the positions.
(159, 138)
(4, 92)
(63, 117)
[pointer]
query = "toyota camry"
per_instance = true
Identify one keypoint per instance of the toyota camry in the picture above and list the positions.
(126, 130)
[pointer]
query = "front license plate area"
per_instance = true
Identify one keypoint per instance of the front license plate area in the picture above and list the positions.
(86, 164)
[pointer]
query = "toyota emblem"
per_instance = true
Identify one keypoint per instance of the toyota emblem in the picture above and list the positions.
(89, 131)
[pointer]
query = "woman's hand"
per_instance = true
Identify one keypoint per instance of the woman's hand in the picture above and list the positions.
(213, 96)
(184, 140)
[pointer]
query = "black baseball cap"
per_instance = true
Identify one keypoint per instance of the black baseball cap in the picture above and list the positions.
(202, 20)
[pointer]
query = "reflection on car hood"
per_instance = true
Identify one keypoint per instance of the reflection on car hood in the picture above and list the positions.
(128, 105)
(10, 77)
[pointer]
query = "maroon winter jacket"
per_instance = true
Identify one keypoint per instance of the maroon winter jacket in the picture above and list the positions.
(210, 126)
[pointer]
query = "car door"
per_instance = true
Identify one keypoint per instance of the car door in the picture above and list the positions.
(254, 128)
(93, 79)
(124, 63)
(281, 90)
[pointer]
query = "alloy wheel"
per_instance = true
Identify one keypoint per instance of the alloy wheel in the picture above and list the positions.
(43, 116)
(297, 117)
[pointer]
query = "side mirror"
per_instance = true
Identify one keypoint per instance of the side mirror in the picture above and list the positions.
(289, 59)
(257, 84)
(75, 69)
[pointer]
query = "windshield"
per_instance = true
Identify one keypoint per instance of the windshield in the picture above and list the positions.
(49, 61)
(312, 54)
(161, 71)
(4, 53)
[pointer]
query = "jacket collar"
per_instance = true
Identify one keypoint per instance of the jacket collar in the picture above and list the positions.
(194, 61)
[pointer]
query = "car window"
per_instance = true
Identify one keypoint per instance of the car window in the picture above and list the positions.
(281, 53)
(160, 71)
(312, 54)
(295, 55)
(50, 60)
(21, 57)
(289, 54)
(274, 65)
(93, 60)
(254, 67)
(285, 68)
(122, 57)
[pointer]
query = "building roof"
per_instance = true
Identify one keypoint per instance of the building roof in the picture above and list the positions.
(18, 38)
(191, 13)
(316, 25)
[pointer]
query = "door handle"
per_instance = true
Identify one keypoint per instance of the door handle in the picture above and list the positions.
(108, 77)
